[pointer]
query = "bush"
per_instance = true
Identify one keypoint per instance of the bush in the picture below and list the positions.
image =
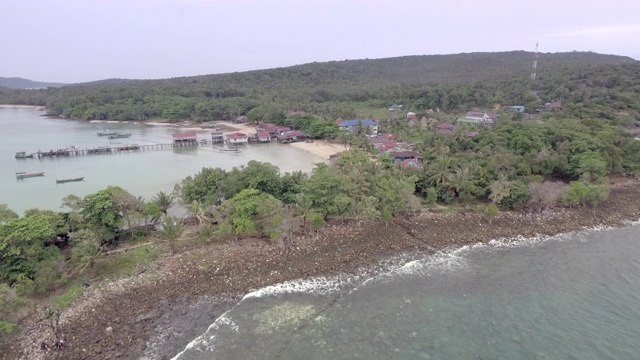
(545, 195)
(432, 196)
(578, 191)
(490, 211)
(7, 328)
(24, 285)
(518, 196)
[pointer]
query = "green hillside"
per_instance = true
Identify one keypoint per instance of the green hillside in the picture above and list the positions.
(589, 84)
(20, 83)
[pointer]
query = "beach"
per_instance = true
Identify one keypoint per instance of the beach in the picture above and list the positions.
(178, 297)
(36, 107)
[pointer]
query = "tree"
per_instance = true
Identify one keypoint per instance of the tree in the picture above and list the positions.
(171, 231)
(304, 204)
(101, 213)
(164, 201)
(317, 221)
(87, 251)
(6, 214)
(129, 207)
(440, 172)
(199, 213)
(251, 212)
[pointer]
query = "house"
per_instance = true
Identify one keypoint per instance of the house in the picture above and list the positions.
(217, 137)
(296, 113)
(411, 164)
(352, 125)
(237, 138)
(404, 155)
(394, 107)
(263, 136)
(556, 105)
(445, 129)
(388, 145)
(239, 119)
(185, 138)
(282, 130)
(514, 108)
(474, 117)
(292, 136)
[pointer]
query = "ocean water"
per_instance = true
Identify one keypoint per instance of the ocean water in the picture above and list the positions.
(143, 173)
(574, 296)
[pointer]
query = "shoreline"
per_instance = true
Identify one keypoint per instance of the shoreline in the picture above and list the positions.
(183, 294)
(34, 107)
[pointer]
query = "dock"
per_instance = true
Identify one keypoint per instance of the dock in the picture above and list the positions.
(100, 150)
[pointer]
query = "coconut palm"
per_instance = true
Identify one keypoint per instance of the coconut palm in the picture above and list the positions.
(87, 252)
(441, 172)
(171, 231)
(304, 204)
(199, 212)
(164, 201)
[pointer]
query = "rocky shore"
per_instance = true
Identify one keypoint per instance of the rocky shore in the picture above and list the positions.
(176, 300)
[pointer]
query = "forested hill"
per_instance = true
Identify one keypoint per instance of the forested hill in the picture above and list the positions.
(606, 84)
(20, 83)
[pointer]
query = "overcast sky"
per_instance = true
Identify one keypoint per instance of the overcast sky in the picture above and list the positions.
(85, 40)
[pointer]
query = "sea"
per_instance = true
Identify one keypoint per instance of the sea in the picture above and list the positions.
(572, 296)
(143, 173)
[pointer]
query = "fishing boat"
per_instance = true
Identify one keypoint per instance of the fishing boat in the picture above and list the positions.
(119, 136)
(24, 175)
(62, 181)
(228, 149)
(105, 133)
(23, 155)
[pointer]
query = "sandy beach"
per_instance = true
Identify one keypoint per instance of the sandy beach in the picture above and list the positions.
(320, 148)
(9, 106)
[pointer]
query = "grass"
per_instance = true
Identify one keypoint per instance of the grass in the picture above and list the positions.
(66, 298)
(127, 262)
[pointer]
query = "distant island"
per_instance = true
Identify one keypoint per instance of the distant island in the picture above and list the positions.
(20, 83)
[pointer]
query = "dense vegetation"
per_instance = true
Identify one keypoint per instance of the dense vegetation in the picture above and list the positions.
(591, 85)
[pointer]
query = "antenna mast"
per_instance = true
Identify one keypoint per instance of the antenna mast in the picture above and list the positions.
(534, 70)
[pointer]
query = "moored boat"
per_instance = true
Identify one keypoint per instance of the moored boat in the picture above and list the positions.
(62, 181)
(228, 149)
(24, 175)
(119, 136)
(105, 133)
(23, 155)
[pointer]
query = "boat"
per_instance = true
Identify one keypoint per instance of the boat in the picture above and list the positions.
(119, 136)
(23, 155)
(62, 181)
(105, 133)
(24, 175)
(227, 149)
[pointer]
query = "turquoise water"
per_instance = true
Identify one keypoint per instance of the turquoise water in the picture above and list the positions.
(571, 297)
(142, 173)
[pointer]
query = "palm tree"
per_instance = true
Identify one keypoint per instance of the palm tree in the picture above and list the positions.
(171, 231)
(199, 212)
(441, 173)
(86, 253)
(304, 204)
(164, 201)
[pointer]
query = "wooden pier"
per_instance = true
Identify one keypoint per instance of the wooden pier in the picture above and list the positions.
(75, 151)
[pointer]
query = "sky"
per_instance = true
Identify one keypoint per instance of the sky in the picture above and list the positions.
(73, 41)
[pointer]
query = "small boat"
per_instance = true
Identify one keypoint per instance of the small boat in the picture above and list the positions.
(105, 133)
(24, 175)
(119, 136)
(227, 149)
(62, 181)
(23, 155)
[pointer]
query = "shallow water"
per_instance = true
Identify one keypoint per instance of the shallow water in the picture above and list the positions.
(142, 173)
(574, 296)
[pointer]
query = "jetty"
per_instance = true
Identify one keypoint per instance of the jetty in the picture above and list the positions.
(100, 150)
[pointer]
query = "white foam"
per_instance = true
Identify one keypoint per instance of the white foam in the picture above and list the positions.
(208, 341)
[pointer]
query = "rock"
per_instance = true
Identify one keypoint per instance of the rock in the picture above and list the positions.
(109, 330)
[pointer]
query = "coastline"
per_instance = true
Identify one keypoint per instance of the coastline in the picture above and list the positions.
(181, 293)
(34, 107)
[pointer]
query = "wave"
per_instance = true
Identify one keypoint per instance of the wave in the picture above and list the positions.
(445, 260)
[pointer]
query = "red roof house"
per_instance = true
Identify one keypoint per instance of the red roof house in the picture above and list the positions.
(185, 137)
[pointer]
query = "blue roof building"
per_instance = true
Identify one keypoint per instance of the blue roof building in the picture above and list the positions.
(353, 124)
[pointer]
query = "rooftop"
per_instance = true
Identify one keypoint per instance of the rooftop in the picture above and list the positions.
(236, 135)
(185, 135)
(364, 122)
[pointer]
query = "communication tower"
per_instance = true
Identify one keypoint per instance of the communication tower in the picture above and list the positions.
(534, 69)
